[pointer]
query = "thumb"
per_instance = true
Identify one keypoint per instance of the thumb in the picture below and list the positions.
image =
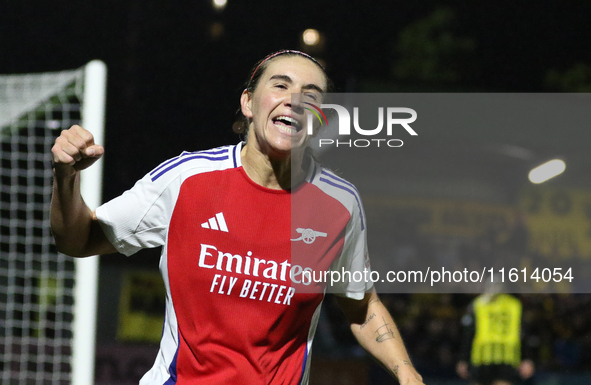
(90, 155)
(94, 151)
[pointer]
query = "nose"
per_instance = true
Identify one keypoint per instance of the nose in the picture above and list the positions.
(295, 102)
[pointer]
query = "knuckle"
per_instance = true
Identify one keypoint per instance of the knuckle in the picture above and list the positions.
(65, 135)
(60, 138)
(58, 145)
(86, 136)
(78, 142)
(63, 158)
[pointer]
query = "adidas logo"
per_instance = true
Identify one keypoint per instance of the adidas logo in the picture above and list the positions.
(216, 223)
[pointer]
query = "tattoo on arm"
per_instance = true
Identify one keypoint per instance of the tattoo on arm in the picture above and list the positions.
(384, 332)
(371, 316)
(396, 369)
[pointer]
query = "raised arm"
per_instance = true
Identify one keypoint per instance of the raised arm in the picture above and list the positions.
(75, 227)
(374, 328)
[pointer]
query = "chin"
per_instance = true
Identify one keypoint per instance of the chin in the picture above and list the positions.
(279, 153)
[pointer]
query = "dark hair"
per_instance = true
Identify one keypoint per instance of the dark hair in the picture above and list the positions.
(241, 124)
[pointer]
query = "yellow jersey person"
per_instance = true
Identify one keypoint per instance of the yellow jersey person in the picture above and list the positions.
(492, 340)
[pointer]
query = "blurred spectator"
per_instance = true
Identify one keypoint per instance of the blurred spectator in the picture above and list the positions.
(491, 352)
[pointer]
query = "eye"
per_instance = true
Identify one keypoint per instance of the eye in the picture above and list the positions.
(312, 96)
(281, 86)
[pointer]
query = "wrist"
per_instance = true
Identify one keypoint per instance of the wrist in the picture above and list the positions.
(64, 174)
(405, 372)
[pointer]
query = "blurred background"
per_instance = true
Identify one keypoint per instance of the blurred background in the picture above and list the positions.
(175, 74)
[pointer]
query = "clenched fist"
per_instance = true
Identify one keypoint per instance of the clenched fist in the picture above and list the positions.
(74, 150)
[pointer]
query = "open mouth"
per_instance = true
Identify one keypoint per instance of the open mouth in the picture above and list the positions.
(287, 124)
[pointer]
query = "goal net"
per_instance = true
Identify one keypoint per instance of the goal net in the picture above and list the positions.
(47, 300)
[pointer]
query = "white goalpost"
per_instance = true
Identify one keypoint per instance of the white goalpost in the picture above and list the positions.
(85, 295)
(48, 301)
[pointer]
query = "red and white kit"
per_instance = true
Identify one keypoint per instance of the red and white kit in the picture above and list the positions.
(239, 309)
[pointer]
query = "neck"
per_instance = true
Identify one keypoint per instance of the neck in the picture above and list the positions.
(271, 172)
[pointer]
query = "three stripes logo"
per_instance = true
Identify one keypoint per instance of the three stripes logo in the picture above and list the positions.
(216, 222)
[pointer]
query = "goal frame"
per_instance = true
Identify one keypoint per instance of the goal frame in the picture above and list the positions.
(87, 269)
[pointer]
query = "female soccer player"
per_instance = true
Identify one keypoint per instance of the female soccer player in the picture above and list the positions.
(239, 308)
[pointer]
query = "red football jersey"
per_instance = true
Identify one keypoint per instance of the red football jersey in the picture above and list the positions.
(242, 264)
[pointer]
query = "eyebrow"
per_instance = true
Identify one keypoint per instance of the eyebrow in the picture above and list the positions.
(287, 79)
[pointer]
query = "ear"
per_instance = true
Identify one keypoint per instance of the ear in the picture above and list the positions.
(245, 103)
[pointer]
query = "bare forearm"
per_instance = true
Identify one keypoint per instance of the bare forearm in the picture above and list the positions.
(374, 328)
(75, 227)
(379, 335)
(70, 217)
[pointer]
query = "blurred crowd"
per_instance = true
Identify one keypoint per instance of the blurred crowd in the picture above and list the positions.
(556, 327)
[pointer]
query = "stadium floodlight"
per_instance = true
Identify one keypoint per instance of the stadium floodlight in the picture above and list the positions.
(220, 4)
(546, 171)
(47, 299)
(311, 36)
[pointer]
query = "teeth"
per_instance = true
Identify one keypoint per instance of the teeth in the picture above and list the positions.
(286, 129)
(294, 124)
(287, 118)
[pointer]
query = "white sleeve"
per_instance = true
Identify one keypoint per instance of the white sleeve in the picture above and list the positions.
(354, 259)
(139, 218)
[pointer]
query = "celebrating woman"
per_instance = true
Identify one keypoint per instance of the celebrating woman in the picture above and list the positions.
(236, 248)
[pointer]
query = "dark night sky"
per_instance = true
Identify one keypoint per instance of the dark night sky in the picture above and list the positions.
(172, 87)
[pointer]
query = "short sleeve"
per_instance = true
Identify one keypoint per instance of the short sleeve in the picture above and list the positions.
(354, 258)
(139, 217)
